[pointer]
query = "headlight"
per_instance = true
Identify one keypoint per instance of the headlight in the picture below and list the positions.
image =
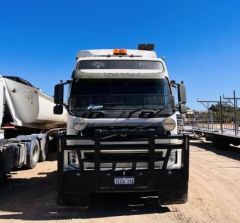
(79, 124)
(175, 159)
(73, 159)
(169, 124)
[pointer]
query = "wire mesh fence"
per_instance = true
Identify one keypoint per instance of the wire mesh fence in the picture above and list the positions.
(213, 122)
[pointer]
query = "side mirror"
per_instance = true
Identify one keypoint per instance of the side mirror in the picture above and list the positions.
(58, 109)
(182, 108)
(58, 94)
(73, 73)
(182, 99)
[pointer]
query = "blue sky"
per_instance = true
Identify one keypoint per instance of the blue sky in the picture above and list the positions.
(200, 39)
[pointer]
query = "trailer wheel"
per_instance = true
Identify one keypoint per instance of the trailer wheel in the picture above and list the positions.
(221, 144)
(72, 200)
(33, 154)
(44, 150)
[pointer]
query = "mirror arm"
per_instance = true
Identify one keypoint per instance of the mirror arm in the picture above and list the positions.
(65, 83)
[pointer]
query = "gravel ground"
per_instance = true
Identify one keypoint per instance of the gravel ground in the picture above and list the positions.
(30, 195)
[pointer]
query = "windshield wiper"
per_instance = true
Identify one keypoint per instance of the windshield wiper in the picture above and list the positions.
(95, 111)
(167, 111)
(134, 111)
(143, 113)
(94, 107)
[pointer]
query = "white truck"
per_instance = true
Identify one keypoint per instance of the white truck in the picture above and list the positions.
(121, 128)
(27, 121)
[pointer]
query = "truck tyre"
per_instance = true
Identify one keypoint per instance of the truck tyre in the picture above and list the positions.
(221, 144)
(70, 200)
(44, 149)
(172, 197)
(33, 153)
(2, 176)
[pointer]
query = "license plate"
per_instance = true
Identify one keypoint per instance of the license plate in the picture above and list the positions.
(123, 180)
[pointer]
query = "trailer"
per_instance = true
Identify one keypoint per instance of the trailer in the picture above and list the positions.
(219, 123)
(122, 132)
(222, 135)
(27, 122)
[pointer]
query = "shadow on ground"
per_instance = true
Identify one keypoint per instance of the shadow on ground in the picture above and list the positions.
(35, 199)
(232, 152)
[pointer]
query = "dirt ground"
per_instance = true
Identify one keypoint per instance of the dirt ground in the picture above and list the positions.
(214, 196)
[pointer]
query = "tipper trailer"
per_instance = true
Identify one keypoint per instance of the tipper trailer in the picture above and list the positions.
(27, 124)
(121, 128)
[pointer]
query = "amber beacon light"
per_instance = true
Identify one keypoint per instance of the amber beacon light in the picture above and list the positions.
(120, 52)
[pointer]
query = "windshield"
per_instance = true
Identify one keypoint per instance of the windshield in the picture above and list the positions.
(121, 94)
(121, 64)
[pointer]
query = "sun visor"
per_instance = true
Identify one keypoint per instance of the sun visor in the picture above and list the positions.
(112, 74)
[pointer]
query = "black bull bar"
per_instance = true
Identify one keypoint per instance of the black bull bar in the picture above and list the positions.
(97, 180)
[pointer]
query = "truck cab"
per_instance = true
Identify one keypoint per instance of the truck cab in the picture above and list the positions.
(122, 128)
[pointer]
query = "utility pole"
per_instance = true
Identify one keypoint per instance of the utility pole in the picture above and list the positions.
(221, 115)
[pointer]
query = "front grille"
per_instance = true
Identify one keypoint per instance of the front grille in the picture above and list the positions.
(147, 151)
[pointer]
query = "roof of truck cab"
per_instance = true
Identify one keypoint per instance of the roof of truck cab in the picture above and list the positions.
(144, 54)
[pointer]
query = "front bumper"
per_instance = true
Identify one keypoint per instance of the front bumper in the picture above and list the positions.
(163, 181)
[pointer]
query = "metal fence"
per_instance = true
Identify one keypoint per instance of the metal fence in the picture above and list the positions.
(213, 122)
